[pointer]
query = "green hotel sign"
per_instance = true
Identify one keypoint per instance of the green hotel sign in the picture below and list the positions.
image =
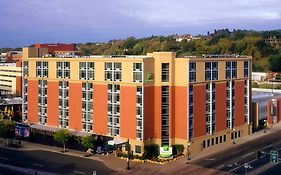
(274, 156)
(166, 151)
(149, 76)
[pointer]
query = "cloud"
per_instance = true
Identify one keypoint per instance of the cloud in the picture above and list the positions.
(101, 20)
(201, 12)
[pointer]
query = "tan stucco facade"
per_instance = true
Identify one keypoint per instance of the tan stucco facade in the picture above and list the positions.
(8, 77)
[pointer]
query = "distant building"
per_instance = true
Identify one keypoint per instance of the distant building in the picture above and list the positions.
(56, 47)
(263, 76)
(266, 107)
(259, 76)
(186, 37)
(154, 98)
(10, 79)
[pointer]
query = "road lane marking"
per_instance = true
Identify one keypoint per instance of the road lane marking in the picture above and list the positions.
(24, 170)
(79, 172)
(219, 167)
(242, 165)
(38, 165)
(3, 158)
(268, 146)
(210, 159)
(247, 154)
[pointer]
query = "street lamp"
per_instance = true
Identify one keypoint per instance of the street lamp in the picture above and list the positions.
(188, 153)
(264, 125)
(233, 135)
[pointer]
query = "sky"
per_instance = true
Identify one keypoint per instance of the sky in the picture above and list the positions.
(25, 22)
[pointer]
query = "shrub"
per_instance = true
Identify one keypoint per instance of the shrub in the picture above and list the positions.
(255, 85)
(88, 142)
(178, 149)
(62, 136)
(151, 151)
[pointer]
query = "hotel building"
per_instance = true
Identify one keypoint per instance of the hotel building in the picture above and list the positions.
(157, 98)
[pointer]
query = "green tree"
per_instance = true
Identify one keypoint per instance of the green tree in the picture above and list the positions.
(62, 136)
(7, 128)
(88, 142)
(275, 63)
(129, 43)
(255, 85)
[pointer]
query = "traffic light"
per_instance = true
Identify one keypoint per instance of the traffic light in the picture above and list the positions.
(259, 154)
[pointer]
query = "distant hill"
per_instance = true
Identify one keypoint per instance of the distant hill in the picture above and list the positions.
(259, 44)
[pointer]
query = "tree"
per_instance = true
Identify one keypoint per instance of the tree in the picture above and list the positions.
(7, 128)
(129, 43)
(88, 142)
(255, 85)
(275, 63)
(62, 136)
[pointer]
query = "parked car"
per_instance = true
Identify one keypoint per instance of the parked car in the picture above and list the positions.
(14, 143)
(107, 149)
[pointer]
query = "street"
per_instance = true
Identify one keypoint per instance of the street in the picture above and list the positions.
(47, 163)
(243, 159)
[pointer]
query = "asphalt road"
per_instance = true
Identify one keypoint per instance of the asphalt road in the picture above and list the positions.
(276, 170)
(48, 163)
(235, 160)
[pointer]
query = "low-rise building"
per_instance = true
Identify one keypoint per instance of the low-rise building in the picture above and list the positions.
(265, 107)
(10, 79)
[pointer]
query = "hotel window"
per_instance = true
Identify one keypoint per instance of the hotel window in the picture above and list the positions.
(209, 108)
(165, 72)
(228, 70)
(208, 71)
(234, 69)
(42, 102)
(24, 99)
(139, 111)
(192, 72)
(190, 113)
(86, 70)
(246, 101)
(246, 69)
(87, 107)
(63, 104)
(25, 68)
(231, 69)
(113, 71)
(213, 107)
(138, 149)
(63, 70)
(41, 69)
(117, 72)
(165, 115)
(113, 109)
(211, 71)
(108, 71)
(214, 70)
(137, 72)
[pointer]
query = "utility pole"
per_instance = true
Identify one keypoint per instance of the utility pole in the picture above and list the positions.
(233, 134)
(128, 154)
